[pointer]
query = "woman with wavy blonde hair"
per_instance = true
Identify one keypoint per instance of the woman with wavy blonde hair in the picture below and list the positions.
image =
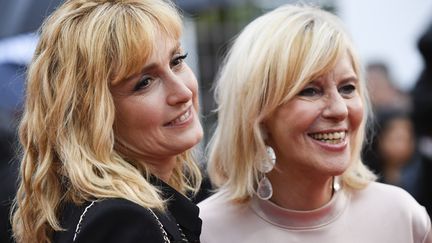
(110, 120)
(292, 110)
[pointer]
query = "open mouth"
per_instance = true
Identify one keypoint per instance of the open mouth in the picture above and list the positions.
(181, 119)
(329, 137)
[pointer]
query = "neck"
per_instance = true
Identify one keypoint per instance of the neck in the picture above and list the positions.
(300, 192)
(162, 168)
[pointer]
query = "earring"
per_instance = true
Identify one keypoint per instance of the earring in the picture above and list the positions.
(265, 189)
(336, 183)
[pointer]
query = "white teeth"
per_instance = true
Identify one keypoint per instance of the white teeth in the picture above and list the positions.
(182, 118)
(332, 137)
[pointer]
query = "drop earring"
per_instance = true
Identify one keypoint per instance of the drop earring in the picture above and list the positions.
(265, 189)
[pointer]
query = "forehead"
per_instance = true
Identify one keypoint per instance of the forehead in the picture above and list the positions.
(343, 66)
(164, 46)
(340, 68)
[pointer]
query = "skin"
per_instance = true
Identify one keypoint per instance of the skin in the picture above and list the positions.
(157, 110)
(305, 166)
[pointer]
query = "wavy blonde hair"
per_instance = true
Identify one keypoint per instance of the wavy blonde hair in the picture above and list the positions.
(268, 64)
(68, 142)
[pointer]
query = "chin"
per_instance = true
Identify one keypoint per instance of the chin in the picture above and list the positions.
(199, 133)
(334, 166)
(338, 172)
(190, 142)
(338, 169)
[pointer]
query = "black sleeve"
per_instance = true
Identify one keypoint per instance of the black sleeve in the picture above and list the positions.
(119, 221)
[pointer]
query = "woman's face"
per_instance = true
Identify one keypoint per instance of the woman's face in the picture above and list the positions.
(157, 110)
(314, 131)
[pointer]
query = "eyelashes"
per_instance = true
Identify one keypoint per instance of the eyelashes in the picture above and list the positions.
(146, 81)
(345, 90)
(143, 83)
(309, 92)
(178, 60)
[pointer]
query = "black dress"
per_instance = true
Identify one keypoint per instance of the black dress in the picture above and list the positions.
(122, 221)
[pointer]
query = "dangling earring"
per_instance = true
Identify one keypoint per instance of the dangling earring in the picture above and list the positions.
(336, 183)
(265, 189)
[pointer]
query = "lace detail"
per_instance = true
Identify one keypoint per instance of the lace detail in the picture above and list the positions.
(78, 227)
(183, 236)
(164, 233)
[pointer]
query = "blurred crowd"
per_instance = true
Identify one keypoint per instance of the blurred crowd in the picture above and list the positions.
(399, 150)
(400, 146)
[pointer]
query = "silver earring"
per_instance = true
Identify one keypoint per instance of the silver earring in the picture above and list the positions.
(336, 183)
(265, 189)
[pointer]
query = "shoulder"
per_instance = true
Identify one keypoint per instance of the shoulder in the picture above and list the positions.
(115, 205)
(117, 220)
(394, 204)
(217, 201)
(214, 207)
(381, 194)
(214, 198)
(218, 208)
(235, 220)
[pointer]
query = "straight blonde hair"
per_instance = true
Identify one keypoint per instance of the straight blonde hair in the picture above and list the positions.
(268, 64)
(68, 141)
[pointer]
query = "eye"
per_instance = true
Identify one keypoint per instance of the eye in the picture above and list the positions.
(143, 83)
(347, 89)
(309, 92)
(178, 60)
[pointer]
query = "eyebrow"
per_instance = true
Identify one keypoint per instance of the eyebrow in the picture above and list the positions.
(350, 79)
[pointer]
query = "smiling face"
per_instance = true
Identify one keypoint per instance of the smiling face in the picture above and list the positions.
(315, 130)
(157, 109)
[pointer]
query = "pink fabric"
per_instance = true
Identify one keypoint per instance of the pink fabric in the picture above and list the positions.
(378, 214)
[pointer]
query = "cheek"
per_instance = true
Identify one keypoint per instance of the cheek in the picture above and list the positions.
(189, 79)
(132, 115)
(191, 82)
(291, 120)
(356, 113)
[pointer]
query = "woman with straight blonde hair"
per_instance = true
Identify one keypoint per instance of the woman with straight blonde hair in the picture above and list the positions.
(292, 111)
(110, 120)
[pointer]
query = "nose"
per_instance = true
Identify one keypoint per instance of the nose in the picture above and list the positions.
(178, 91)
(336, 107)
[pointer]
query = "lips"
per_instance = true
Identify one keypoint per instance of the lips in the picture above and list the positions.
(181, 119)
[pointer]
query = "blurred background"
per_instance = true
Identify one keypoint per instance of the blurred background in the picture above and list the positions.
(393, 37)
